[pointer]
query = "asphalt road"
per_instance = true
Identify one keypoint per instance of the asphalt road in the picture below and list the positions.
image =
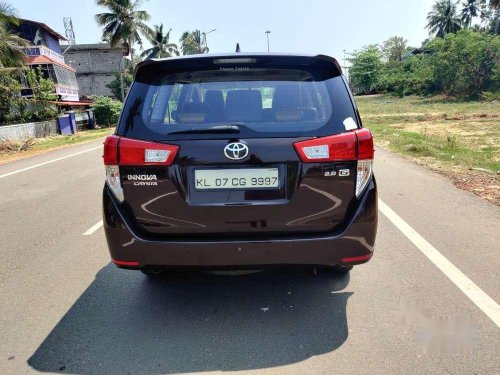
(424, 304)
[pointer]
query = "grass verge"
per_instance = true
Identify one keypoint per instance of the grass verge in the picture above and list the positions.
(460, 139)
(41, 145)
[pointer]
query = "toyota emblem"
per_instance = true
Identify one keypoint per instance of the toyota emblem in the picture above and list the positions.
(236, 151)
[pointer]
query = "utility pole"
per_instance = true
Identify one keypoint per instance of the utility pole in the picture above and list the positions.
(121, 80)
(267, 34)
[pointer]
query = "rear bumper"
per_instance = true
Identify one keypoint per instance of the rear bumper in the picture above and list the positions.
(353, 245)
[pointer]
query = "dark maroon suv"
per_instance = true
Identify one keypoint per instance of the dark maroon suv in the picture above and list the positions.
(239, 160)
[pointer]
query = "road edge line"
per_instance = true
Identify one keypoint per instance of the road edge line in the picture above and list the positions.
(93, 228)
(48, 162)
(466, 285)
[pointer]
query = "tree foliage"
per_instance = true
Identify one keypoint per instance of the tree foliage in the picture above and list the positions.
(11, 102)
(444, 18)
(464, 64)
(106, 110)
(366, 68)
(160, 44)
(193, 43)
(43, 94)
(12, 54)
(124, 23)
(116, 84)
(394, 48)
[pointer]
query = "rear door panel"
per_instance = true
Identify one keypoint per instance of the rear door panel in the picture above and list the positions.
(311, 197)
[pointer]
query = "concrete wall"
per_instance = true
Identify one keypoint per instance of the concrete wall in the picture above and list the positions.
(28, 130)
(95, 65)
(94, 84)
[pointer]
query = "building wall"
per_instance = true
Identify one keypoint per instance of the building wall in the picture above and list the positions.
(95, 67)
(52, 43)
(94, 84)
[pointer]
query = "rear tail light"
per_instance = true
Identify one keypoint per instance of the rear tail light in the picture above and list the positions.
(353, 145)
(135, 152)
(123, 151)
(332, 148)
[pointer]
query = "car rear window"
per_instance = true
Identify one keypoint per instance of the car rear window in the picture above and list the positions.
(262, 98)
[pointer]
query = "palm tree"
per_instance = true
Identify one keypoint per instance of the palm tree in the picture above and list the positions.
(8, 14)
(161, 46)
(193, 43)
(12, 46)
(470, 9)
(124, 23)
(444, 18)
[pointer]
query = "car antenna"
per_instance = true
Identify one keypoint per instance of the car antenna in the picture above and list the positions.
(238, 48)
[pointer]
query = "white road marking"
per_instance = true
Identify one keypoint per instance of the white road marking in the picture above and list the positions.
(466, 285)
(48, 162)
(93, 228)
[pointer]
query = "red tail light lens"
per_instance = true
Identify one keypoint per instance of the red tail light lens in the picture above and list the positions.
(125, 151)
(331, 148)
(365, 144)
(135, 152)
(355, 145)
(111, 150)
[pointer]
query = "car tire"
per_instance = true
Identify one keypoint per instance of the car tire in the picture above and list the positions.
(341, 269)
(152, 272)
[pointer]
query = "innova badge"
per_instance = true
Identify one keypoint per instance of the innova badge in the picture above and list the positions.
(236, 151)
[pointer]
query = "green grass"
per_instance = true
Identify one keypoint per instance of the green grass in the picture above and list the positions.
(64, 140)
(455, 134)
(41, 145)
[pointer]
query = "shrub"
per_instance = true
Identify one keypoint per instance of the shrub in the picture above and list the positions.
(465, 63)
(490, 96)
(106, 110)
(11, 102)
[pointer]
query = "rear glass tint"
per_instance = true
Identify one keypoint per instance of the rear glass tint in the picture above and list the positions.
(264, 99)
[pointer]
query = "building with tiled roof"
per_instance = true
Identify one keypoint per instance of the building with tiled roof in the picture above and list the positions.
(45, 54)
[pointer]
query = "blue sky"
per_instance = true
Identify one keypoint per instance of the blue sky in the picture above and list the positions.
(308, 26)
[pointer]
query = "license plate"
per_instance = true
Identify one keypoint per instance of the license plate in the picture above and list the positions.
(254, 178)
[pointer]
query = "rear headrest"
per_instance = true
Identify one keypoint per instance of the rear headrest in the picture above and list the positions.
(286, 95)
(244, 105)
(192, 112)
(215, 103)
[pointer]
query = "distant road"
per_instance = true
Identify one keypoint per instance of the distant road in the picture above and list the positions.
(65, 309)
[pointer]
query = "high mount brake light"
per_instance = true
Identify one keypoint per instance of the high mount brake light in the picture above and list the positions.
(120, 151)
(353, 145)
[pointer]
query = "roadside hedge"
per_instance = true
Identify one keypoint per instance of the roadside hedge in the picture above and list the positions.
(106, 110)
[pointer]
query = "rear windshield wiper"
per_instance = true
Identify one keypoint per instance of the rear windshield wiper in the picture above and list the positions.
(221, 129)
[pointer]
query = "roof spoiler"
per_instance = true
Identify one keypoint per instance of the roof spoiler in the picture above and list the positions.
(204, 60)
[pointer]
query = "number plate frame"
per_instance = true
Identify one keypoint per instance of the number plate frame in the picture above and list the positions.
(230, 173)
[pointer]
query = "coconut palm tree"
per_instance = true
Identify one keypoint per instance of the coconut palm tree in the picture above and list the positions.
(8, 15)
(444, 18)
(193, 43)
(161, 46)
(12, 54)
(471, 9)
(124, 23)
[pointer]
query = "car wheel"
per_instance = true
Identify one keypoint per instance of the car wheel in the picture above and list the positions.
(152, 272)
(341, 269)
